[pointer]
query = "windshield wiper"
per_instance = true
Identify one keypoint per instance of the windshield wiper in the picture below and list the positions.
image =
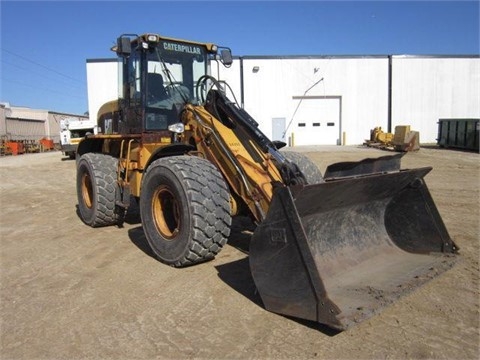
(171, 78)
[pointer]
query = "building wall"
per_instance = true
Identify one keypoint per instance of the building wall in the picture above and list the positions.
(3, 112)
(428, 89)
(53, 126)
(102, 79)
(21, 123)
(350, 93)
(22, 129)
(424, 89)
(231, 75)
(316, 100)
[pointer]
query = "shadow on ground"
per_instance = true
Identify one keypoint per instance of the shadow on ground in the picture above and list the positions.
(235, 274)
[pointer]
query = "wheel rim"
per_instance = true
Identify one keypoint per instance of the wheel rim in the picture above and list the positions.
(166, 214)
(87, 190)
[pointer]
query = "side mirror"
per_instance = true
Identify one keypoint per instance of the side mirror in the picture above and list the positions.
(124, 46)
(226, 56)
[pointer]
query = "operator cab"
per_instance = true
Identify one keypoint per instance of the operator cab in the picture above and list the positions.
(157, 77)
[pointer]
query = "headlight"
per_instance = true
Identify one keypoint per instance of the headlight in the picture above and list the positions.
(152, 38)
(212, 48)
(177, 128)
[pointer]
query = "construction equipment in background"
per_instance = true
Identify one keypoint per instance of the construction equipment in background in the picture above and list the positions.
(72, 130)
(19, 147)
(46, 144)
(4, 148)
(15, 147)
(333, 249)
(31, 146)
(402, 140)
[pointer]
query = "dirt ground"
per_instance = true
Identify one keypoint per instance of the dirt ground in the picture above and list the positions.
(72, 292)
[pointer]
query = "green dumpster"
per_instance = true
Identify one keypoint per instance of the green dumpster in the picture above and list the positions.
(459, 133)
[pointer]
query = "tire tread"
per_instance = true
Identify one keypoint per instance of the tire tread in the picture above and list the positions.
(104, 169)
(208, 195)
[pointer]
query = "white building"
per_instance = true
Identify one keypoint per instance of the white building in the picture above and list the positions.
(320, 100)
(23, 123)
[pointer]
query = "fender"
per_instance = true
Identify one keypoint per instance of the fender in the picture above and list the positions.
(90, 144)
(171, 150)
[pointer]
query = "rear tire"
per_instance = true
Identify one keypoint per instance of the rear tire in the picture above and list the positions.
(185, 210)
(96, 185)
(311, 171)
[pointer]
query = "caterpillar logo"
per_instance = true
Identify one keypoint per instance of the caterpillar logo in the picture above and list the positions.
(189, 49)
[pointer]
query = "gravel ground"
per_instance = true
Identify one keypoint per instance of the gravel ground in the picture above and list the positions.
(72, 292)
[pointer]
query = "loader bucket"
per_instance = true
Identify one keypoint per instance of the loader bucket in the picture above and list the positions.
(340, 251)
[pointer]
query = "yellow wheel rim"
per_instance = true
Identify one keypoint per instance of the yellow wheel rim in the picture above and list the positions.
(87, 190)
(166, 213)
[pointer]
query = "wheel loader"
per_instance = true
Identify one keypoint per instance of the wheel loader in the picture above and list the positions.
(333, 248)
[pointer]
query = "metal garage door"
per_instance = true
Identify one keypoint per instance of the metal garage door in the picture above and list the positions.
(317, 121)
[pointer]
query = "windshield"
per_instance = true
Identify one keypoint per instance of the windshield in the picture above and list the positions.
(173, 70)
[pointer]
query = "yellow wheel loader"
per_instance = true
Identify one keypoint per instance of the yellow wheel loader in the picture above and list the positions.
(334, 249)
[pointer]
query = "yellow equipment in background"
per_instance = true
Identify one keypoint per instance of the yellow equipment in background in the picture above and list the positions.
(403, 140)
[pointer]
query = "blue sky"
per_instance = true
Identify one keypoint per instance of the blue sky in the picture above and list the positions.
(45, 44)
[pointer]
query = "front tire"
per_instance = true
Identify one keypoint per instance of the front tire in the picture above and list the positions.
(311, 171)
(185, 210)
(96, 185)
